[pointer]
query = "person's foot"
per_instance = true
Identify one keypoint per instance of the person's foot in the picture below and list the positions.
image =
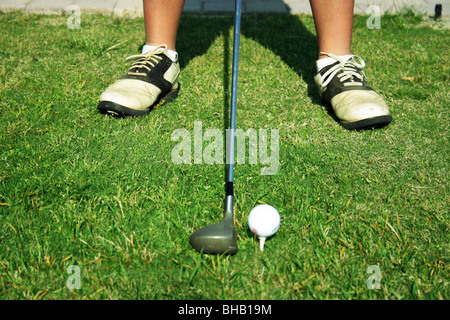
(342, 86)
(151, 80)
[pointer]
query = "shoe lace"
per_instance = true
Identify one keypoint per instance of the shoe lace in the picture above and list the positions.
(350, 71)
(146, 61)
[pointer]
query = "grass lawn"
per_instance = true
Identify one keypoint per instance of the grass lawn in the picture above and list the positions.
(79, 188)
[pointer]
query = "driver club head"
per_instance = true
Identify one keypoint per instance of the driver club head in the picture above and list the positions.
(219, 238)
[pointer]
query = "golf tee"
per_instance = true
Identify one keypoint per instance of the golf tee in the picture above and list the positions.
(261, 243)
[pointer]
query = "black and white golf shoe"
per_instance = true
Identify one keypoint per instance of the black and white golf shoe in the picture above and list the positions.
(151, 80)
(342, 85)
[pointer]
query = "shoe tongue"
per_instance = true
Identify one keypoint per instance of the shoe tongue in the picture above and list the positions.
(147, 48)
(173, 55)
(346, 57)
(322, 63)
(328, 61)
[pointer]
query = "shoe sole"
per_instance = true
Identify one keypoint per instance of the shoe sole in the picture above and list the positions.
(370, 123)
(117, 110)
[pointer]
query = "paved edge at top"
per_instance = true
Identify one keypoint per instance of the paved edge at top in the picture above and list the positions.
(133, 8)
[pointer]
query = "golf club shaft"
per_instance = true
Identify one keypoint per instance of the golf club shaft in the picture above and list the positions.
(234, 81)
(221, 237)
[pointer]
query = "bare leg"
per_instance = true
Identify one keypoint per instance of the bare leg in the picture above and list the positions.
(161, 21)
(334, 21)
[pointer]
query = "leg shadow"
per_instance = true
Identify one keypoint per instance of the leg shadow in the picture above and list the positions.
(197, 33)
(284, 34)
(287, 37)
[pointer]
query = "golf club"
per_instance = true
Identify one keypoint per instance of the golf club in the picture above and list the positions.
(220, 238)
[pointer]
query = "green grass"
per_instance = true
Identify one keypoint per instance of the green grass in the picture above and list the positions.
(79, 188)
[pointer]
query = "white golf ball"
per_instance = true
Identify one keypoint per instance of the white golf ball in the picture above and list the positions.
(264, 220)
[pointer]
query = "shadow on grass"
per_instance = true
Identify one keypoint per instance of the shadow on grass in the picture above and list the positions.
(284, 34)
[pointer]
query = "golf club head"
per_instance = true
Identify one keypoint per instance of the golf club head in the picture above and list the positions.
(217, 238)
